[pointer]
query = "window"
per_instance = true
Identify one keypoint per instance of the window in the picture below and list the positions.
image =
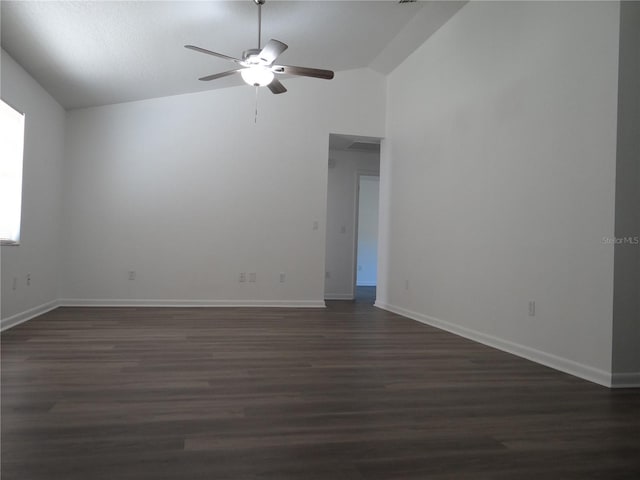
(11, 150)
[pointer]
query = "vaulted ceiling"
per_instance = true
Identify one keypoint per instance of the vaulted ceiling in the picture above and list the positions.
(88, 53)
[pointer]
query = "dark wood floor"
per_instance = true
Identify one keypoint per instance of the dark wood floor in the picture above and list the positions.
(350, 392)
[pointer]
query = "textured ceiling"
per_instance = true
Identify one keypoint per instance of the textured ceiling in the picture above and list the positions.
(88, 53)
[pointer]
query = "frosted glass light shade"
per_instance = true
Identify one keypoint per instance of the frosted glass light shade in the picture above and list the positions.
(257, 76)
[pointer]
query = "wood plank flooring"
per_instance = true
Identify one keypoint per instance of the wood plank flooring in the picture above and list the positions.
(350, 392)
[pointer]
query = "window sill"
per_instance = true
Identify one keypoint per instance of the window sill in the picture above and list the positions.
(8, 243)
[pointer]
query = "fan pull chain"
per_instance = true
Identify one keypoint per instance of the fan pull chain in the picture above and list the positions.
(255, 119)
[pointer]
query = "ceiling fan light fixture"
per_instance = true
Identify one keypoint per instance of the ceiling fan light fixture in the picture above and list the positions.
(257, 65)
(257, 76)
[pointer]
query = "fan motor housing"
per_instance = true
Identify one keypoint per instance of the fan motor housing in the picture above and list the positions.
(251, 56)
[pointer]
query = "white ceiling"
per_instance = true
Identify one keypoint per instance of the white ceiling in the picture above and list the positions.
(88, 53)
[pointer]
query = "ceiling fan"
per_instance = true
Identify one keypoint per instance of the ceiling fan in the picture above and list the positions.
(257, 66)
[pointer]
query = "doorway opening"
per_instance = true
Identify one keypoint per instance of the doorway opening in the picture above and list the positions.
(351, 254)
(367, 237)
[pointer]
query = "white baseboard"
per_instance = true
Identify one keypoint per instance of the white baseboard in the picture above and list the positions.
(27, 315)
(625, 380)
(339, 296)
(565, 365)
(82, 302)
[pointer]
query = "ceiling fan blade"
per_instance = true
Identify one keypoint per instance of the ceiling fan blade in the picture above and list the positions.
(209, 52)
(303, 71)
(272, 50)
(276, 87)
(219, 75)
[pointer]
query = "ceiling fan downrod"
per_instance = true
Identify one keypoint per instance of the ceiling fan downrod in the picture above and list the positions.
(259, 3)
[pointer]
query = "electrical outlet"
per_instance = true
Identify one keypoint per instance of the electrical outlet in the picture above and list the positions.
(252, 277)
(14, 283)
(242, 277)
(28, 279)
(132, 275)
(532, 308)
(282, 277)
(316, 225)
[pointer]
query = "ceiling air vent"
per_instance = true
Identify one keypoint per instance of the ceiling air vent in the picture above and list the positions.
(407, 1)
(364, 146)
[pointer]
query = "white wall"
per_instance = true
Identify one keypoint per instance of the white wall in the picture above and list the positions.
(187, 191)
(341, 219)
(626, 307)
(368, 231)
(501, 143)
(38, 253)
